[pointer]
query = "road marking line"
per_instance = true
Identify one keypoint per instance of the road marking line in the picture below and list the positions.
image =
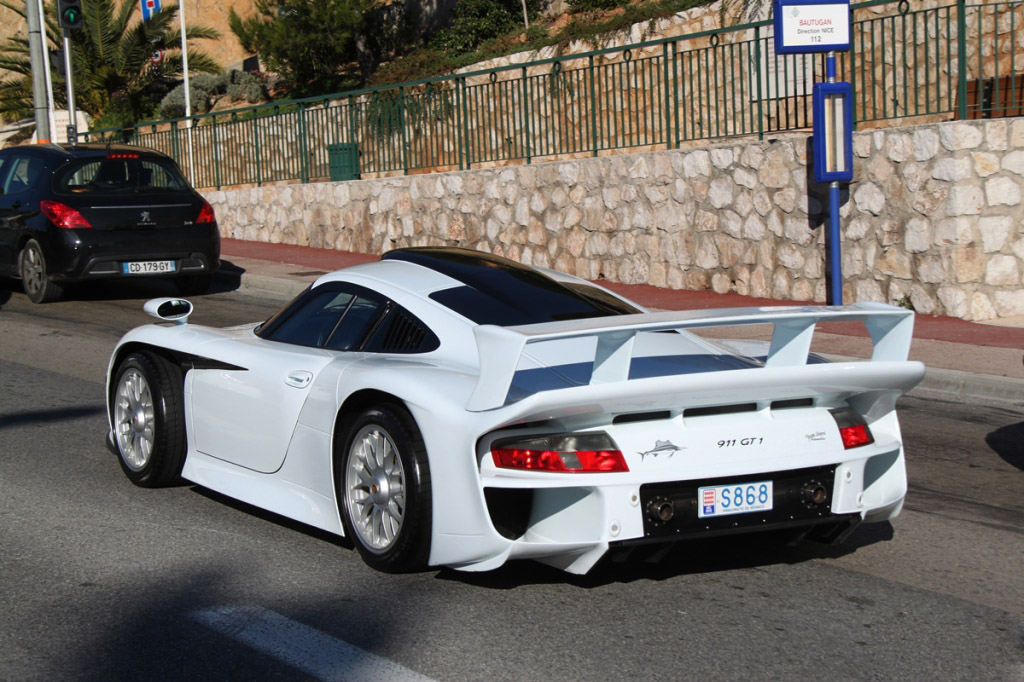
(302, 647)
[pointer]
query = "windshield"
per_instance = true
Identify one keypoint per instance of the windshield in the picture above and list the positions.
(120, 174)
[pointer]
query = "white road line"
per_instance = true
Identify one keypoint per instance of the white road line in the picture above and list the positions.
(302, 647)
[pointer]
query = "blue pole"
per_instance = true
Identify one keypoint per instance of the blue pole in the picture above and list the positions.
(834, 251)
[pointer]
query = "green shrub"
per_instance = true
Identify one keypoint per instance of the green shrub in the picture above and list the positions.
(473, 22)
(595, 5)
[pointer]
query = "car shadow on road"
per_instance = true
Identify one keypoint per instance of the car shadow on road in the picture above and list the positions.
(671, 561)
(40, 417)
(1008, 443)
(271, 517)
(227, 278)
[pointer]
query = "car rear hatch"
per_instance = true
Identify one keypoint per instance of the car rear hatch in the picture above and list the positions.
(128, 191)
(142, 211)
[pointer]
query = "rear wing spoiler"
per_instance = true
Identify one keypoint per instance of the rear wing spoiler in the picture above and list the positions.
(500, 348)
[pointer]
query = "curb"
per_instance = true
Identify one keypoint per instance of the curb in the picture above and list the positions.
(964, 387)
(940, 384)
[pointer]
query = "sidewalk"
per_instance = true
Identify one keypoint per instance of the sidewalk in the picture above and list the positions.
(966, 361)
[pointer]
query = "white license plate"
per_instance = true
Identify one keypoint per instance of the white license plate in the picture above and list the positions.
(147, 267)
(737, 498)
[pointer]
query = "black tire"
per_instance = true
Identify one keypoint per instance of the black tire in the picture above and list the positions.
(149, 420)
(385, 505)
(193, 285)
(35, 279)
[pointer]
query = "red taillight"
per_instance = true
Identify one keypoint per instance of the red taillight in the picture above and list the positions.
(122, 156)
(569, 454)
(852, 428)
(63, 216)
(206, 214)
(855, 436)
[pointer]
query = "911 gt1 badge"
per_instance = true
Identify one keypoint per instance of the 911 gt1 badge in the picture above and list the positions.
(660, 448)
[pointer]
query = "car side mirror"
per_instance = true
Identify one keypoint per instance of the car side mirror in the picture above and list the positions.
(174, 310)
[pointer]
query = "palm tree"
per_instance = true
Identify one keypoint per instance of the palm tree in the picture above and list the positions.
(115, 78)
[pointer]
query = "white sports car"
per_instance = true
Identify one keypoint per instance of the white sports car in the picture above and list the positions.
(444, 407)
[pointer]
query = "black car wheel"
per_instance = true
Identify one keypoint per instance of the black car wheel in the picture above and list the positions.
(34, 278)
(383, 490)
(149, 420)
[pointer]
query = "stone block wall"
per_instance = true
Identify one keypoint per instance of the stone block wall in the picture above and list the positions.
(934, 219)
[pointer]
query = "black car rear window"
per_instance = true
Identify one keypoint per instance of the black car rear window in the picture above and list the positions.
(499, 291)
(119, 173)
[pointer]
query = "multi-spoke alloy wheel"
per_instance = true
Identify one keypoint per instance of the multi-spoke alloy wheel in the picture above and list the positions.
(383, 486)
(375, 483)
(34, 280)
(134, 419)
(148, 426)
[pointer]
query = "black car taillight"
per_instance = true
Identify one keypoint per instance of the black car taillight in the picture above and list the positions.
(206, 214)
(852, 428)
(63, 216)
(584, 453)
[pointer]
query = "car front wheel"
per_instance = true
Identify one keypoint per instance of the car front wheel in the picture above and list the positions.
(383, 482)
(149, 420)
(34, 277)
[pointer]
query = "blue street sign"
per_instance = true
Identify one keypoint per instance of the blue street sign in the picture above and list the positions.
(149, 8)
(811, 26)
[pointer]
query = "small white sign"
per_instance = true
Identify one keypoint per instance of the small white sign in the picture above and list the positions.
(813, 26)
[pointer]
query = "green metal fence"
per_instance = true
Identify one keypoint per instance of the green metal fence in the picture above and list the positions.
(949, 61)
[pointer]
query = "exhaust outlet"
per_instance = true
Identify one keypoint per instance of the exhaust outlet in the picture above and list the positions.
(815, 493)
(661, 511)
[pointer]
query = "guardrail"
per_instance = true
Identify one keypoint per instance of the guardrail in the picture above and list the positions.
(955, 60)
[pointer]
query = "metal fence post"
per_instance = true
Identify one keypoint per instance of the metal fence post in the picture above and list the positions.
(175, 150)
(215, 150)
(527, 147)
(464, 161)
(669, 99)
(303, 145)
(593, 104)
(401, 129)
(760, 85)
(961, 54)
(258, 151)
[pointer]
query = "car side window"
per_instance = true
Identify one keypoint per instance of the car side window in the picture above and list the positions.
(354, 324)
(314, 321)
(345, 317)
(21, 172)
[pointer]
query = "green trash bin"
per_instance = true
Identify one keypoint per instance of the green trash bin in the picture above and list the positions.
(343, 161)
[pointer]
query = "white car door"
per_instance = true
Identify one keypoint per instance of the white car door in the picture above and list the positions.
(247, 415)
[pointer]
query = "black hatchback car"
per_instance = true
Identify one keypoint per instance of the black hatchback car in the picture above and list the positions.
(70, 213)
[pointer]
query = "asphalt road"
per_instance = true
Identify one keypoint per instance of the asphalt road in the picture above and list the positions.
(105, 581)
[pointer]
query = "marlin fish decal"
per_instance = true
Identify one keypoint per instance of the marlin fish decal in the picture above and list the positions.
(660, 447)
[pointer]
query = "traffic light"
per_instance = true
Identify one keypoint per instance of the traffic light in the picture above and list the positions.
(69, 14)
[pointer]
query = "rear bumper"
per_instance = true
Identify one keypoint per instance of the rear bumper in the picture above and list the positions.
(77, 255)
(574, 527)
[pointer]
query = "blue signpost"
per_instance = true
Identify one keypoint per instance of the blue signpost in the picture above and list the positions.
(806, 26)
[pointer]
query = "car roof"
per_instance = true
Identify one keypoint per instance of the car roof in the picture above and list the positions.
(482, 287)
(87, 150)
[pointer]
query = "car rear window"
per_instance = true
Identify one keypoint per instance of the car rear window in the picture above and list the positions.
(119, 173)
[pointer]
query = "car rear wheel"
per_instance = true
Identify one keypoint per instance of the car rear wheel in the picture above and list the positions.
(149, 420)
(193, 285)
(34, 277)
(383, 482)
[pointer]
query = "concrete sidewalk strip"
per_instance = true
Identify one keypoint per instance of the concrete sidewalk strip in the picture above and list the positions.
(285, 280)
(956, 386)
